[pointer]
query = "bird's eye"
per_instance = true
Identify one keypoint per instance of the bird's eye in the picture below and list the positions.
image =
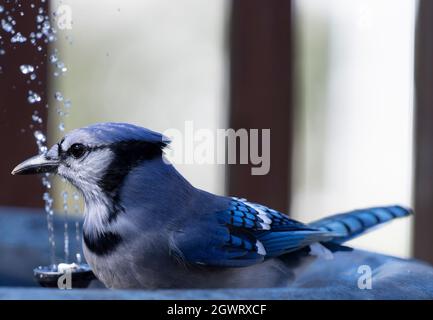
(77, 150)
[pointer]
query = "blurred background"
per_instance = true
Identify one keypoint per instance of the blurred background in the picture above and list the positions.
(343, 85)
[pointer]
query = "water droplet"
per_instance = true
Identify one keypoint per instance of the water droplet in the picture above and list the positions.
(2, 51)
(58, 96)
(62, 126)
(51, 38)
(46, 27)
(18, 38)
(33, 97)
(60, 112)
(67, 103)
(36, 118)
(61, 66)
(46, 183)
(53, 58)
(46, 196)
(76, 196)
(33, 76)
(40, 136)
(39, 18)
(6, 26)
(1, 8)
(40, 140)
(26, 68)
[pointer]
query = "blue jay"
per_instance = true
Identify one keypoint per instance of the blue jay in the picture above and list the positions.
(145, 226)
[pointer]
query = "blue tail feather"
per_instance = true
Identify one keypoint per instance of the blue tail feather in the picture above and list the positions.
(351, 224)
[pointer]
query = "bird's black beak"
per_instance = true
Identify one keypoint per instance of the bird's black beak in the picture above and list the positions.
(36, 164)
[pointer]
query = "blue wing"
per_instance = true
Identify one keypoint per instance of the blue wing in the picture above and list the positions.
(243, 234)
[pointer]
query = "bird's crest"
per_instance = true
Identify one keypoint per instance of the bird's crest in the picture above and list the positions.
(113, 132)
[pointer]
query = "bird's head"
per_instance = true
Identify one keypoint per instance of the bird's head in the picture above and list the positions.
(97, 157)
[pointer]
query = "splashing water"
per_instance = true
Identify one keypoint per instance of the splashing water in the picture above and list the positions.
(42, 148)
(7, 26)
(66, 225)
(53, 58)
(67, 103)
(40, 141)
(40, 18)
(46, 181)
(40, 137)
(61, 66)
(33, 97)
(36, 118)
(45, 33)
(76, 198)
(50, 220)
(18, 37)
(26, 68)
(58, 96)
(49, 32)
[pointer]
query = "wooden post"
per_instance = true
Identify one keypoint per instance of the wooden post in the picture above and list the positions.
(261, 94)
(423, 195)
(16, 137)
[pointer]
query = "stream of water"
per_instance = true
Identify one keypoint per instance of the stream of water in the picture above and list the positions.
(45, 31)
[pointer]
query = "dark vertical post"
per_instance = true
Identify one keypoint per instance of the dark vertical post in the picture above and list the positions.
(423, 195)
(16, 137)
(261, 94)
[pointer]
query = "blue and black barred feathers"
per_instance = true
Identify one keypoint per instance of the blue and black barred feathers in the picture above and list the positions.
(351, 224)
(242, 213)
(271, 233)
